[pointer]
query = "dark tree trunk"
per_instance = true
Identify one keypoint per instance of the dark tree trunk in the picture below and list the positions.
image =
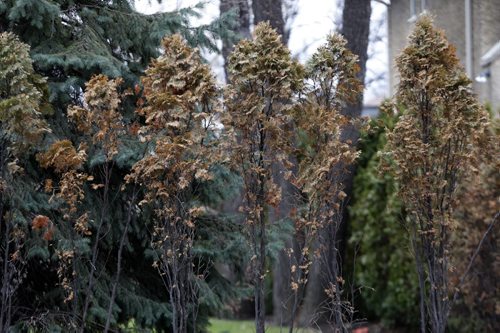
(356, 29)
(272, 11)
(116, 281)
(283, 296)
(242, 26)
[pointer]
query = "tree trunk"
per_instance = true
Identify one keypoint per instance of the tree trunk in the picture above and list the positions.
(89, 294)
(282, 293)
(5, 279)
(119, 262)
(355, 28)
(5, 247)
(272, 11)
(284, 300)
(242, 26)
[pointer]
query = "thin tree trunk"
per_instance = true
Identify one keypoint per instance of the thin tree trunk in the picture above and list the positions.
(119, 263)
(260, 241)
(242, 27)
(421, 281)
(9, 311)
(5, 280)
(285, 300)
(95, 250)
(260, 305)
(177, 265)
(6, 253)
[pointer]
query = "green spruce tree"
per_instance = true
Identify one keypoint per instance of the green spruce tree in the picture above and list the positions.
(70, 42)
(380, 256)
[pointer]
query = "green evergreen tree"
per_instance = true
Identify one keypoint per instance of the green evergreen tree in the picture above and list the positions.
(73, 39)
(383, 267)
(70, 42)
(21, 130)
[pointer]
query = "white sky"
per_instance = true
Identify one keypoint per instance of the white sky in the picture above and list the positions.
(315, 19)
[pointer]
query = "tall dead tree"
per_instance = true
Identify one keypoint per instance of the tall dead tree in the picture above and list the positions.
(259, 101)
(273, 11)
(277, 13)
(355, 29)
(431, 150)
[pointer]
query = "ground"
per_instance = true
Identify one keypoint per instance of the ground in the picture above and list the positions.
(245, 326)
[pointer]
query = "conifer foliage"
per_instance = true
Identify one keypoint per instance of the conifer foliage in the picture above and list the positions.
(110, 210)
(73, 39)
(21, 130)
(22, 93)
(433, 145)
(382, 264)
(83, 232)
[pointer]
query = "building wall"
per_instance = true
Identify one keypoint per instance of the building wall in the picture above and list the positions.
(398, 30)
(449, 15)
(486, 33)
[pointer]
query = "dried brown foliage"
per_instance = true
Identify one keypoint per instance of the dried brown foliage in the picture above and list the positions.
(21, 95)
(181, 111)
(479, 197)
(331, 85)
(100, 118)
(433, 149)
(264, 81)
(40, 222)
(62, 156)
(67, 161)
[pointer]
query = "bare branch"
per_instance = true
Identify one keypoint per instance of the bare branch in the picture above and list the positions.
(383, 2)
(473, 258)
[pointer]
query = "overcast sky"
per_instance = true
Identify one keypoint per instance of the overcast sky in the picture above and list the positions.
(315, 19)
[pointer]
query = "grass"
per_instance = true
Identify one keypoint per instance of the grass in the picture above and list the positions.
(246, 326)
